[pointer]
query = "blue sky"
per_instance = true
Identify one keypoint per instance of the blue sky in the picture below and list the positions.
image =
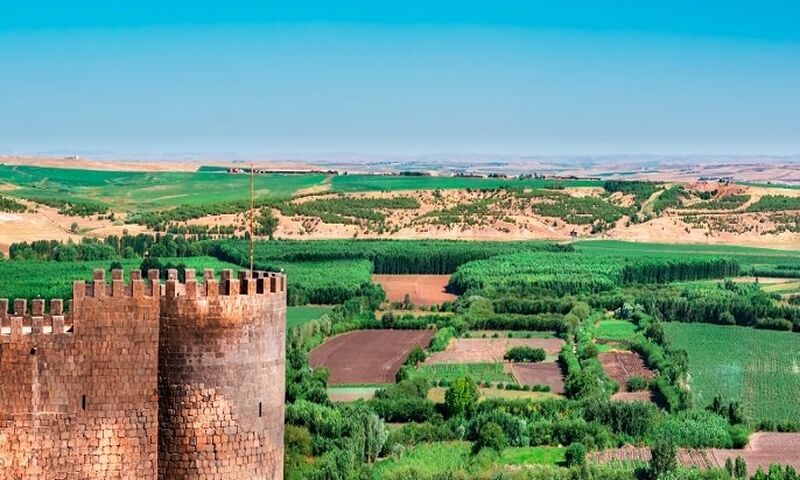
(557, 77)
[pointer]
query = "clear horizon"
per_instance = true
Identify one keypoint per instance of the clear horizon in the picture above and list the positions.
(421, 78)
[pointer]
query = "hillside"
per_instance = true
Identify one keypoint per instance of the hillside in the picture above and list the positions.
(53, 203)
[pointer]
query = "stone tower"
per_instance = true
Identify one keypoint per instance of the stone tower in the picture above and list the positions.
(145, 381)
(221, 377)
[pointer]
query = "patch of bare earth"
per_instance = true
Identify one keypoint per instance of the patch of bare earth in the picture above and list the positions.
(347, 396)
(42, 224)
(546, 373)
(367, 356)
(764, 449)
(487, 350)
(88, 164)
(620, 366)
(423, 289)
(640, 396)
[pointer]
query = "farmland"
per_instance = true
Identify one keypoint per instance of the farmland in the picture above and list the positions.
(636, 339)
(296, 316)
(367, 356)
(362, 183)
(328, 206)
(145, 190)
(421, 289)
(757, 368)
(490, 372)
(479, 350)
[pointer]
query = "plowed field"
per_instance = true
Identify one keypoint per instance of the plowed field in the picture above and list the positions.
(423, 289)
(621, 366)
(367, 356)
(763, 450)
(548, 373)
(481, 350)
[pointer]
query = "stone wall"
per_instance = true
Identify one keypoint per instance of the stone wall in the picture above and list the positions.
(222, 351)
(78, 401)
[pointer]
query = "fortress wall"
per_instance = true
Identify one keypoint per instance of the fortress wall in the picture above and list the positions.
(222, 351)
(78, 395)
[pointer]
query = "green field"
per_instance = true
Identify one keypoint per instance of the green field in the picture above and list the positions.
(448, 457)
(28, 279)
(144, 191)
(617, 330)
(147, 190)
(299, 315)
(480, 372)
(746, 256)
(368, 183)
(427, 459)
(758, 367)
(531, 455)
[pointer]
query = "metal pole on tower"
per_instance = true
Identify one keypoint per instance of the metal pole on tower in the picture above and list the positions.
(252, 212)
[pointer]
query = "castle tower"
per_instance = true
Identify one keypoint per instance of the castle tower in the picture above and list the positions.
(221, 377)
(78, 392)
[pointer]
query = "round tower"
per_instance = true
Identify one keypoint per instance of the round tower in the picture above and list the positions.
(221, 378)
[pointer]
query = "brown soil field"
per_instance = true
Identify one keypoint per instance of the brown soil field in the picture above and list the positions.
(764, 449)
(547, 373)
(641, 396)
(367, 356)
(423, 289)
(483, 350)
(621, 366)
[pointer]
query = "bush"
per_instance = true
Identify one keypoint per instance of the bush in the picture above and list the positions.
(461, 397)
(575, 455)
(442, 339)
(491, 436)
(664, 458)
(416, 356)
(637, 384)
(525, 354)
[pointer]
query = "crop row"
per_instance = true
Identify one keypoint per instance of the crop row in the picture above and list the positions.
(576, 273)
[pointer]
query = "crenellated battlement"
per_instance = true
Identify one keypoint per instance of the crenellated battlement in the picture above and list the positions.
(247, 284)
(18, 322)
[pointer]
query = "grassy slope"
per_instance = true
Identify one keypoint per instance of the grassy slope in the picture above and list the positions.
(148, 190)
(761, 368)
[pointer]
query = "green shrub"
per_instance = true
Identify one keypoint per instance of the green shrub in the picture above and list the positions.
(664, 458)
(461, 397)
(525, 354)
(575, 455)
(416, 356)
(637, 384)
(491, 436)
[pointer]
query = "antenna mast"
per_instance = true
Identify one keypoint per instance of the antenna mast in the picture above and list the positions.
(252, 212)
